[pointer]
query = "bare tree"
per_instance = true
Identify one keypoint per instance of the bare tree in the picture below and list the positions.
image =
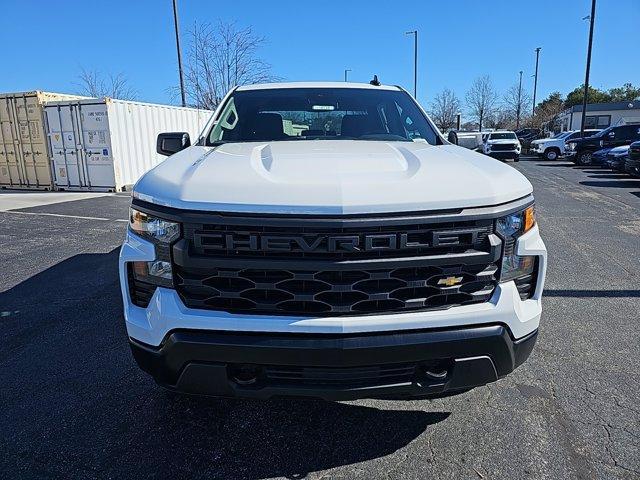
(444, 110)
(500, 118)
(92, 83)
(516, 103)
(481, 99)
(220, 57)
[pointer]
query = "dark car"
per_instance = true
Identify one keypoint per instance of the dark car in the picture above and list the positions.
(526, 136)
(581, 150)
(617, 158)
(632, 164)
(599, 157)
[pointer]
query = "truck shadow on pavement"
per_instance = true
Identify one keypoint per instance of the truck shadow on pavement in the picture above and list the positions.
(612, 183)
(74, 405)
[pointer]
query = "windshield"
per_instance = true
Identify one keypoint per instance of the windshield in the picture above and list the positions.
(601, 133)
(561, 135)
(503, 136)
(280, 114)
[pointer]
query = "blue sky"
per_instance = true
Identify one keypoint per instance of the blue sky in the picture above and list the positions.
(45, 44)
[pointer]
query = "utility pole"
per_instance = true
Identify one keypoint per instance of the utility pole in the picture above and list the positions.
(519, 101)
(415, 61)
(175, 22)
(346, 70)
(586, 76)
(535, 82)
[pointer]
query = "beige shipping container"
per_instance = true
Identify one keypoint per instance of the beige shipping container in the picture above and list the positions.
(24, 146)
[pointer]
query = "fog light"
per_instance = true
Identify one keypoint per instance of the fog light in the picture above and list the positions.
(157, 272)
(515, 266)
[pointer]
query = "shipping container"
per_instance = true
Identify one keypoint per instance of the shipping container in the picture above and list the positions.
(24, 155)
(108, 144)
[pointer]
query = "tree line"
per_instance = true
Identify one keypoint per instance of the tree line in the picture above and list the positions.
(487, 109)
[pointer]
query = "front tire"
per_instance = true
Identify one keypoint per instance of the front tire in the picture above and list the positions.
(551, 154)
(584, 158)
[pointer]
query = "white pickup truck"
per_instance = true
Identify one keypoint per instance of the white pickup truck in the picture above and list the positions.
(324, 240)
(502, 144)
(554, 147)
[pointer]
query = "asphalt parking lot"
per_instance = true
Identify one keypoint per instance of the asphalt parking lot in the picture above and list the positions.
(74, 405)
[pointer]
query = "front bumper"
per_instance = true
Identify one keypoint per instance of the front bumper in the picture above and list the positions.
(632, 167)
(504, 155)
(333, 367)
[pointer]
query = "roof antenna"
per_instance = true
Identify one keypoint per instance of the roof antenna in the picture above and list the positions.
(375, 81)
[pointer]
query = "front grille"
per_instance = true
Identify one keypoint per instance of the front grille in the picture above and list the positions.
(363, 291)
(345, 377)
(503, 147)
(300, 266)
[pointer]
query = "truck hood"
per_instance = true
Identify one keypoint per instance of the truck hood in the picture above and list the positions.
(505, 141)
(542, 141)
(330, 177)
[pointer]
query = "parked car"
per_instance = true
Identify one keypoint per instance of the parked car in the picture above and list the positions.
(599, 157)
(554, 147)
(580, 150)
(470, 140)
(527, 135)
(372, 258)
(632, 164)
(502, 145)
(617, 157)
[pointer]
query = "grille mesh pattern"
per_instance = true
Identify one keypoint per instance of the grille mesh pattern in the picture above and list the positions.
(341, 377)
(297, 292)
(503, 147)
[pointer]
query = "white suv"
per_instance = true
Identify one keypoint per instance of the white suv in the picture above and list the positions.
(502, 144)
(554, 147)
(323, 240)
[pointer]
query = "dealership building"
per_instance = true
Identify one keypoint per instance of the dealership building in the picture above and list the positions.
(600, 115)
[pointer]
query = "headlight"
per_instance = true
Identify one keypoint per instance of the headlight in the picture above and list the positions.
(602, 143)
(153, 228)
(510, 228)
(571, 145)
(147, 275)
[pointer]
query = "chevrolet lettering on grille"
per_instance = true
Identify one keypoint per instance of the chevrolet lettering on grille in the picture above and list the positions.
(318, 243)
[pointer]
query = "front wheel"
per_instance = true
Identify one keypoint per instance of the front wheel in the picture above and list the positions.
(551, 154)
(584, 158)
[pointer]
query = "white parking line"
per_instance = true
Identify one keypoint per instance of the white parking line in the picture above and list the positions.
(67, 216)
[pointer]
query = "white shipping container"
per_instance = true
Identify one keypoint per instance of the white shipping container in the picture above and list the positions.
(24, 154)
(108, 144)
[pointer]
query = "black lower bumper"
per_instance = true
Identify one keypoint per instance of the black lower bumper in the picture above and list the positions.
(333, 367)
(504, 155)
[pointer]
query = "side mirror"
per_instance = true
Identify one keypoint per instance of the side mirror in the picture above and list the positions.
(172, 142)
(453, 137)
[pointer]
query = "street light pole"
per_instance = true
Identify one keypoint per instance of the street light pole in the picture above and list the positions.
(415, 62)
(346, 70)
(586, 77)
(535, 82)
(519, 101)
(175, 23)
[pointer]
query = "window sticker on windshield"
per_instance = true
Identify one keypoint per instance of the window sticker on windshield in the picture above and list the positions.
(323, 107)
